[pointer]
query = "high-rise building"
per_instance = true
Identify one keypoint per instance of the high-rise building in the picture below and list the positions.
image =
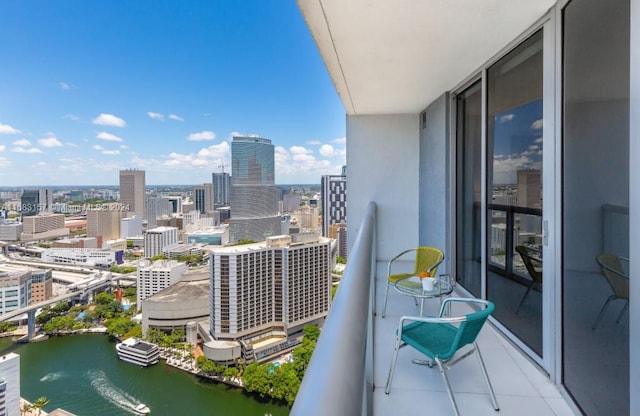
(153, 277)
(104, 223)
(175, 202)
(254, 203)
(10, 384)
(203, 197)
(160, 239)
(256, 289)
(132, 191)
(35, 201)
(130, 227)
(156, 207)
(221, 187)
(333, 189)
(15, 289)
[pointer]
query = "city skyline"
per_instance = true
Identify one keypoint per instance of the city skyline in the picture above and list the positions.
(98, 88)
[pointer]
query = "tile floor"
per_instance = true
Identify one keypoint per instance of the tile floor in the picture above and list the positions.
(521, 387)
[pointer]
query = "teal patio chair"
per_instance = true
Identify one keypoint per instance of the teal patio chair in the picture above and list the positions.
(441, 338)
(426, 259)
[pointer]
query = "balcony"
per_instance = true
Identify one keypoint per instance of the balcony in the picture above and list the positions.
(348, 371)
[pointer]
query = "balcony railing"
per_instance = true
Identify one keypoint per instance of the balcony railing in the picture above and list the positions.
(345, 344)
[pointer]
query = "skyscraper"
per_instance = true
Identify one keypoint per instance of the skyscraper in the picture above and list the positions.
(254, 204)
(36, 201)
(221, 185)
(333, 189)
(203, 197)
(132, 186)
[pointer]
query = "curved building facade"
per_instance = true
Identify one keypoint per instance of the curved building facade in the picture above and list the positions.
(254, 201)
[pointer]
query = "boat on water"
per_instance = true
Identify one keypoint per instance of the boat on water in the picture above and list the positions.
(142, 409)
(137, 351)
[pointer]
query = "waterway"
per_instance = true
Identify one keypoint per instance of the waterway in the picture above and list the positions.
(83, 375)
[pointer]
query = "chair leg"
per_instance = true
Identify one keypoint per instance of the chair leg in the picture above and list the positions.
(494, 401)
(626, 306)
(524, 297)
(443, 371)
(604, 307)
(386, 294)
(392, 368)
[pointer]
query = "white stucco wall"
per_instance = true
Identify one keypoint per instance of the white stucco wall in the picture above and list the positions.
(382, 165)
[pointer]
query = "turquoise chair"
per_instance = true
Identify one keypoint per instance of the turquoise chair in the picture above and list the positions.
(441, 338)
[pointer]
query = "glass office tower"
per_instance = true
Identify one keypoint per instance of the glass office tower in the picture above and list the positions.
(254, 204)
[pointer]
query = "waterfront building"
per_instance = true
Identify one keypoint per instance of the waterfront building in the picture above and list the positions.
(132, 191)
(221, 186)
(83, 256)
(105, 223)
(41, 285)
(15, 289)
(254, 204)
(43, 226)
(333, 190)
(160, 239)
(203, 197)
(178, 304)
(262, 294)
(157, 275)
(131, 227)
(10, 384)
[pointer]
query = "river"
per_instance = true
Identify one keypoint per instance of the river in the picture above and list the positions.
(83, 375)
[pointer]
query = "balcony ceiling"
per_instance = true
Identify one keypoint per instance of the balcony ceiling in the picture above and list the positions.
(395, 57)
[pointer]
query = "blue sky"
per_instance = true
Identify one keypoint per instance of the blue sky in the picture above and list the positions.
(91, 87)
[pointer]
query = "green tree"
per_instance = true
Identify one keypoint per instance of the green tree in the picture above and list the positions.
(119, 326)
(40, 403)
(341, 260)
(129, 244)
(61, 307)
(158, 257)
(104, 298)
(59, 323)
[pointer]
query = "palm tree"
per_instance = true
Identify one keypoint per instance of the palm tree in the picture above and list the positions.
(40, 403)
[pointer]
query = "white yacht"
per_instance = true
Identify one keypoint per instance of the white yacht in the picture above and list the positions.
(136, 351)
(142, 409)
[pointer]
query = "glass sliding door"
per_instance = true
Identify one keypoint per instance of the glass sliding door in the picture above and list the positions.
(514, 190)
(469, 189)
(595, 205)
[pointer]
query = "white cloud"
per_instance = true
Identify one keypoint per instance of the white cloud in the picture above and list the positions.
(2, 147)
(537, 125)
(327, 150)
(175, 117)
(22, 143)
(71, 117)
(4, 162)
(97, 147)
(339, 140)
(51, 141)
(538, 140)
(201, 136)
(155, 116)
(19, 149)
(217, 151)
(314, 143)
(7, 129)
(108, 137)
(69, 144)
(64, 86)
(111, 152)
(109, 120)
(299, 150)
(507, 117)
(124, 146)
